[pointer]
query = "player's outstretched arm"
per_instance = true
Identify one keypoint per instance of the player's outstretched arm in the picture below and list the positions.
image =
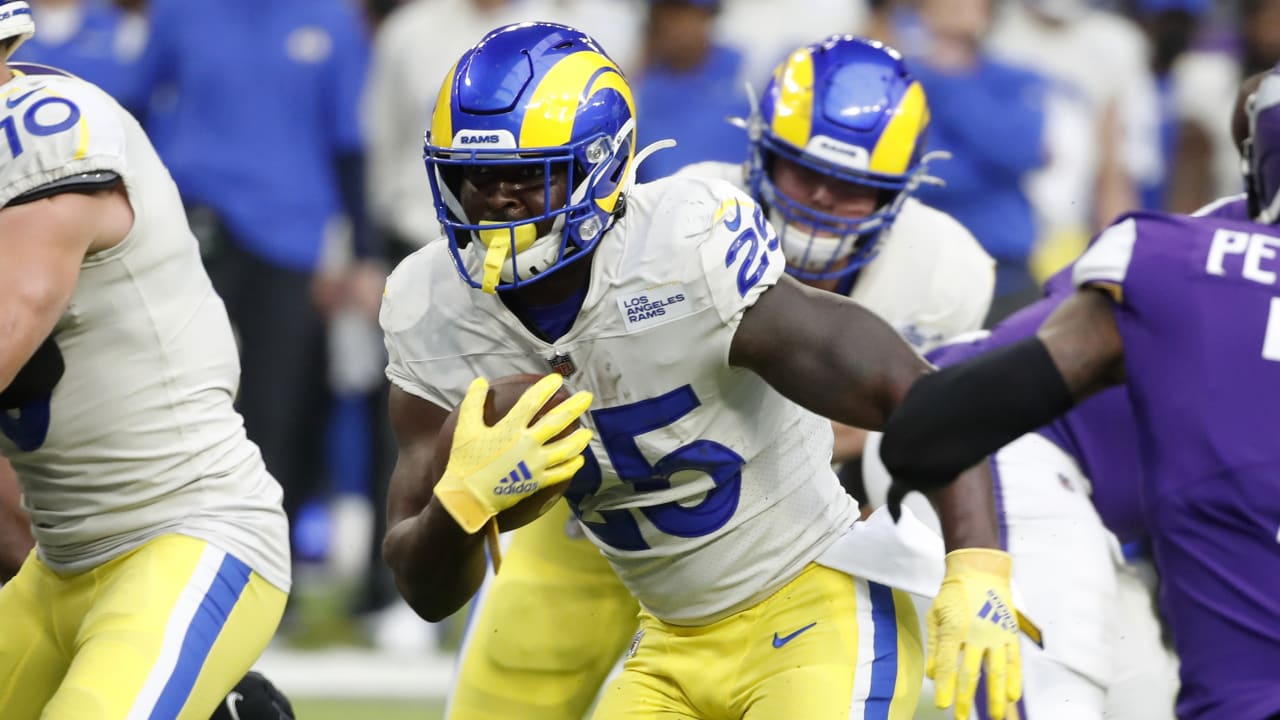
(953, 418)
(436, 564)
(826, 353)
(42, 244)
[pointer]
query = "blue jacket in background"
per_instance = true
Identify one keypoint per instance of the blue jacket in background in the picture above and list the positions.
(252, 101)
(693, 109)
(991, 120)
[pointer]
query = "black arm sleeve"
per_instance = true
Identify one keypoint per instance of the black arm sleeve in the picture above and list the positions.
(351, 186)
(83, 183)
(953, 418)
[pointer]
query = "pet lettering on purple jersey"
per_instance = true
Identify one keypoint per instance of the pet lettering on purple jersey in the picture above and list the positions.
(1198, 308)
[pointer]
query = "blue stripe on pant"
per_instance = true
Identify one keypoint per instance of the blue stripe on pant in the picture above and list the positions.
(224, 592)
(884, 669)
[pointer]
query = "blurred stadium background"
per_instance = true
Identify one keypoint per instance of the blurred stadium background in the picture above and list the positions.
(1133, 101)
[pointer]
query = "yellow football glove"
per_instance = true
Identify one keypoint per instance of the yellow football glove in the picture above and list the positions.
(973, 620)
(492, 468)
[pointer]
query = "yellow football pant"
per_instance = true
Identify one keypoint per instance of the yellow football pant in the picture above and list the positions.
(556, 619)
(826, 646)
(549, 629)
(162, 632)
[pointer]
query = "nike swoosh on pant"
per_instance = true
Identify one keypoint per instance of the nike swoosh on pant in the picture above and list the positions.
(780, 641)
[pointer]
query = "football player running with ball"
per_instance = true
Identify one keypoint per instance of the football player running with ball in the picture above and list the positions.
(840, 193)
(706, 482)
(162, 562)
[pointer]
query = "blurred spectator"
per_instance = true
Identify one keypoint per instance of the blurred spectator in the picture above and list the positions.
(375, 11)
(988, 116)
(1196, 88)
(880, 24)
(1100, 59)
(90, 39)
(413, 51)
(255, 113)
(897, 23)
(764, 31)
(612, 23)
(1260, 20)
(689, 87)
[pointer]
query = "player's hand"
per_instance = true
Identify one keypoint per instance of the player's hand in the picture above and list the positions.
(973, 626)
(492, 468)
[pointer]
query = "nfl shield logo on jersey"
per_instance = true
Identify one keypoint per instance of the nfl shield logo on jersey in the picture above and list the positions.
(562, 364)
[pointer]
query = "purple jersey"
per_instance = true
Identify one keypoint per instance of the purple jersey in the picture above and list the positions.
(1198, 308)
(1101, 433)
(1232, 207)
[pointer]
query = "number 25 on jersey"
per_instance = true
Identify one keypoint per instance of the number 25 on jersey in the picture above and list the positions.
(618, 428)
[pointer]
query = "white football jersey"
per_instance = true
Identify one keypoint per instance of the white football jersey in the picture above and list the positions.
(139, 437)
(705, 488)
(929, 277)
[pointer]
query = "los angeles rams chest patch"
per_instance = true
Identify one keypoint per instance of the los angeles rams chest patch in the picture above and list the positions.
(654, 306)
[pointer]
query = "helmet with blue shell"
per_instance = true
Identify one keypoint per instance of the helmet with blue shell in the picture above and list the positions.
(547, 97)
(849, 109)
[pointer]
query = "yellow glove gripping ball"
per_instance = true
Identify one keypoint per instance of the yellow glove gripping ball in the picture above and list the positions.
(491, 469)
(972, 625)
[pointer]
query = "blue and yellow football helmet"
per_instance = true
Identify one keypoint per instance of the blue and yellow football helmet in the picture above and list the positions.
(847, 108)
(15, 22)
(535, 94)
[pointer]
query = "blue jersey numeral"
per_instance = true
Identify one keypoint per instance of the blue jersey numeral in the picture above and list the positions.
(29, 426)
(618, 428)
(748, 243)
(33, 124)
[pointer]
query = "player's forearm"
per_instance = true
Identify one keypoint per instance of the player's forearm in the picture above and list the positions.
(953, 418)
(967, 510)
(436, 565)
(854, 376)
(27, 316)
(45, 241)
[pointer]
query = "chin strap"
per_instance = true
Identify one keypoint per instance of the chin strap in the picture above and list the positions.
(921, 175)
(644, 154)
(752, 123)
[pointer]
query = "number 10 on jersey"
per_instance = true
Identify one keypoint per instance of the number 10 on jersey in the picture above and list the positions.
(33, 123)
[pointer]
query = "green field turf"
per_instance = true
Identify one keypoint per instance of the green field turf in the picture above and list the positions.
(319, 709)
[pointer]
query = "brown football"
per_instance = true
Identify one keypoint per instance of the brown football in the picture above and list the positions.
(503, 394)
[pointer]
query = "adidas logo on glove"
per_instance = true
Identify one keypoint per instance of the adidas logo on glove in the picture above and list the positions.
(512, 485)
